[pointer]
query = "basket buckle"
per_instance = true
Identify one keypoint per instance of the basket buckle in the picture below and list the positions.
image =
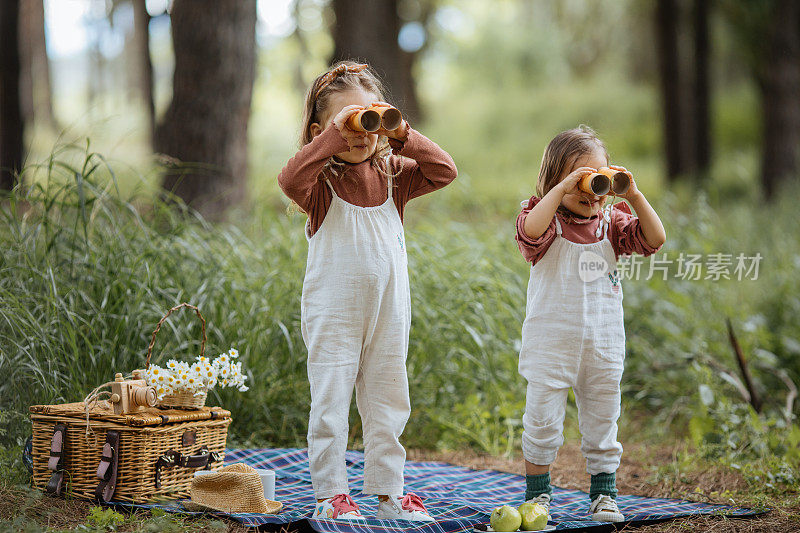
(166, 460)
(56, 460)
(202, 458)
(107, 469)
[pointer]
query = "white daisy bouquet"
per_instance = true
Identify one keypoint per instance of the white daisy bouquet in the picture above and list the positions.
(185, 385)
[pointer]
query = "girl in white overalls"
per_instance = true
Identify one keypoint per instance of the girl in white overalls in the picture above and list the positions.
(573, 334)
(356, 304)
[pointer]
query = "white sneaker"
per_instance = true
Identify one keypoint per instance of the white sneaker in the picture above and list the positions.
(604, 509)
(408, 507)
(339, 507)
(544, 500)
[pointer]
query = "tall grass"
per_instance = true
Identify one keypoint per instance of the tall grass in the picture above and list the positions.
(85, 276)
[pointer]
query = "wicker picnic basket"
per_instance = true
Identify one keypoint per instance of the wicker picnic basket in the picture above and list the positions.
(137, 457)
(152, 453)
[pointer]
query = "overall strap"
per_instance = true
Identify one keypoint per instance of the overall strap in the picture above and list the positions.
(389, 186)
(606, 222)
(328, 183)
(558, 226)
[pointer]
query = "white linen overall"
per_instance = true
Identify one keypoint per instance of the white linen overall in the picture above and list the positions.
(573, 336)
(355, 320)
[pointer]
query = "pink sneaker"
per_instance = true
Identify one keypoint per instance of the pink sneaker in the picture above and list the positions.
(408, 507)
(339, 507)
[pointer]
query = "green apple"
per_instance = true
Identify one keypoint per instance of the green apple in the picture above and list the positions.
(534, 516)
(505, 518)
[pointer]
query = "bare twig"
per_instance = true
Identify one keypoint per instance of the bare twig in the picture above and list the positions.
(731, 377)
(755, 401)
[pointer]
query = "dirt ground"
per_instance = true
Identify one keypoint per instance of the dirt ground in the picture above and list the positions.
(635, 476)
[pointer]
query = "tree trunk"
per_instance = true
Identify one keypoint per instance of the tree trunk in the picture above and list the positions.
(205, 126)
(366, 30)
(26, 62)
(141, 40)
(35, 88)
(779, 82)
(667, 48)
(11, 125)
(701, 116)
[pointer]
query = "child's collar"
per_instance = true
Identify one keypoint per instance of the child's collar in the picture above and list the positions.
(573, 218)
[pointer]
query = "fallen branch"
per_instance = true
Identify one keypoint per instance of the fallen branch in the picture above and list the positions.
(755, 401)
(790, 398)
(728, 376)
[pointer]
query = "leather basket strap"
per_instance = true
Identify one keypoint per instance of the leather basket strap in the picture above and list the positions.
(201, 459)
(107, 468)
(56, 460)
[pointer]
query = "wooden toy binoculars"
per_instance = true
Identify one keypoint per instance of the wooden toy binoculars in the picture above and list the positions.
(127, 396)
(374, 118)
(605, 180)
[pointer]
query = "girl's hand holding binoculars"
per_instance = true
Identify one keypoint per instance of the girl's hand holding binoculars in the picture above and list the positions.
(570, 183)
(353, 138)
(632, 191)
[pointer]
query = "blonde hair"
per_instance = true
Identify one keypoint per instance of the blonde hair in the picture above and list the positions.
(342, 76)
(561, 154)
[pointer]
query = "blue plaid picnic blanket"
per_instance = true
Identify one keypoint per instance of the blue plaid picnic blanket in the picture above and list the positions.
(458, 498)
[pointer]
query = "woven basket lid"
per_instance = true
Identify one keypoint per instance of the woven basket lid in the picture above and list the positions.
(147, 416)
(234, 488)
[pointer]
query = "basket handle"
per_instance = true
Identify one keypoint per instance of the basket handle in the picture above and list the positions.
(158, 326)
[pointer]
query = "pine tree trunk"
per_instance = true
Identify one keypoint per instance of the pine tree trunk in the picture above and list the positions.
(141, 32)
(26, 63)
(779, 82)
(667, 48)
(11, 125)
(366, 30)
(205, 126)
(36, 90)
(702, 112)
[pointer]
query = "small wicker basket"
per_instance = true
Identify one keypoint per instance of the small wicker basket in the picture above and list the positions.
(184, 399)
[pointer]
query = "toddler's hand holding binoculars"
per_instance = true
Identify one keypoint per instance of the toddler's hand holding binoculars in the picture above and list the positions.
(632, 190)
(570, 183)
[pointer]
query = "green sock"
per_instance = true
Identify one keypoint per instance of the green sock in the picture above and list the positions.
(603, 484)
(537, 484)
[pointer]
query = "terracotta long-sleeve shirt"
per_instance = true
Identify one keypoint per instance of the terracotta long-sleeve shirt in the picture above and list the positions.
(425, 168)
(624, 232)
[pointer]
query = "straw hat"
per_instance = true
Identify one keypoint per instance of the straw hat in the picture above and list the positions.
(234, 488)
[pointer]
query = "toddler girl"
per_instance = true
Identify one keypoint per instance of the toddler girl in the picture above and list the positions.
(356, 305)
(573, 334)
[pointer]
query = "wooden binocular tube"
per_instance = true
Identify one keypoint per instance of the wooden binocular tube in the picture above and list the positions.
(374, 118)
(605, 180)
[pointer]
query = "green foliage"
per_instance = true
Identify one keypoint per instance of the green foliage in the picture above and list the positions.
(86, 278)
(104, 518)
(160, 521)
(764, 447)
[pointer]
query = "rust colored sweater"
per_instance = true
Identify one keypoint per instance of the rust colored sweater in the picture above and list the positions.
(625, 233)
(425, 168)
